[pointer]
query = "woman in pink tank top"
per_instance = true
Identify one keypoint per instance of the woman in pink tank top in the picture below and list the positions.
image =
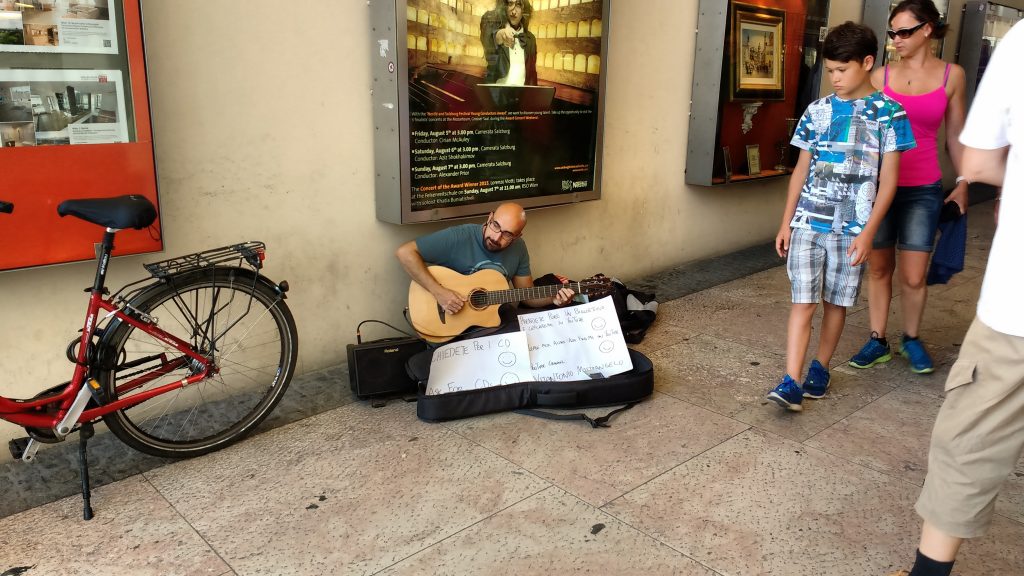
(932, 92)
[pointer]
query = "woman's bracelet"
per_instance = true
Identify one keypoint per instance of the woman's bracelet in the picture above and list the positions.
(960, 179)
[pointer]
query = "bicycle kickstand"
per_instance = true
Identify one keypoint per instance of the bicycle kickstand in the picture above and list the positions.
(85, 432)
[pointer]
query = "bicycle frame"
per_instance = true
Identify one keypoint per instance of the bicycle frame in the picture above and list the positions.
(31, 413)
(112, 375)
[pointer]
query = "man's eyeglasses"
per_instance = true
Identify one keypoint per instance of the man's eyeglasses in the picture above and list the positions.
(503, 234)
(904, 32)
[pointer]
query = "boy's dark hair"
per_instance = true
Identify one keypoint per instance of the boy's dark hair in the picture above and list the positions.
(848, 42)
(922, 11)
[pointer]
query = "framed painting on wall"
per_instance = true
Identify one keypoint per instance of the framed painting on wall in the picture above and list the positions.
(757, 52)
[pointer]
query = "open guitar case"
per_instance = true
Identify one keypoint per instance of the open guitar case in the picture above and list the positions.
(624, 390)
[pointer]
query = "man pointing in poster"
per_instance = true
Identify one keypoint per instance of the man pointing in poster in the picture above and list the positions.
(509, 46)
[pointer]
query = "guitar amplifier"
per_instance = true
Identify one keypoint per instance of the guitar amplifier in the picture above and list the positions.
(378, 368)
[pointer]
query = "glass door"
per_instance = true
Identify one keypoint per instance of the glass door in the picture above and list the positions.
(983, 26)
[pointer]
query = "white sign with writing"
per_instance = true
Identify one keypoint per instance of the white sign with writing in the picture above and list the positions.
(576, 343)
(480, 363)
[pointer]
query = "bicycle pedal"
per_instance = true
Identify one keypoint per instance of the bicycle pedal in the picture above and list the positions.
(23, 448)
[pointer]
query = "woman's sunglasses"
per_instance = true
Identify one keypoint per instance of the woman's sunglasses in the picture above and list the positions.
(904, 32)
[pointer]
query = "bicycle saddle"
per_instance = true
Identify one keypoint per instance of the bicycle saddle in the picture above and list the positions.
(132, 211)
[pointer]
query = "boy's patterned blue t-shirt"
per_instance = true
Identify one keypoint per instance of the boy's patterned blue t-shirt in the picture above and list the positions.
(846, 139)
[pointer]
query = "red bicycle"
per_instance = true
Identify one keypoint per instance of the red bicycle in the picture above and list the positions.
(182, 363)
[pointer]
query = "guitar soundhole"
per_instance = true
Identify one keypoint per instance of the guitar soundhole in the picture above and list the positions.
(478, 299)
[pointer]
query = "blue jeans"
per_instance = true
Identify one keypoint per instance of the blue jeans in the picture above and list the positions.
(912, 219)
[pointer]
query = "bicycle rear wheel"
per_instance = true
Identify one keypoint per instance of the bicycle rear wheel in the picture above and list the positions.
(230, 316)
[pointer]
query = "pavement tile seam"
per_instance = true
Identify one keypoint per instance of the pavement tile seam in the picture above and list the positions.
(655, 537)
(671, 468)
(551, 483)
(1004, 516)
(847, 417)
(199, 534)
(568, 490)
(864, 466)
(639, 530)
(710, 409)
(471, 525)
(553, 488)
(802, 442)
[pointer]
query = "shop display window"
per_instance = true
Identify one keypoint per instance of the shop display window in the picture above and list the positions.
(74, 123)
(742, 119)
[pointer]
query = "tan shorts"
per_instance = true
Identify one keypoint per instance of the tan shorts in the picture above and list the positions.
(978, 435)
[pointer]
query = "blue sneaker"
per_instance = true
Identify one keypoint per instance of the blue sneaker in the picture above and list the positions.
(872, 353)
(816, 383)
(787, 394)
(920, 361)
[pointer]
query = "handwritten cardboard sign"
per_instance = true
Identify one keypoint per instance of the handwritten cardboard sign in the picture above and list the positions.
(480, 363)
(576, 343)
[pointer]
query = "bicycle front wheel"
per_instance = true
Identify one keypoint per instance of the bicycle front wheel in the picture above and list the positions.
(239, 323)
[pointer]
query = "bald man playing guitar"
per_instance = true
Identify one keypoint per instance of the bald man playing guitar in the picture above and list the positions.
(466, 260)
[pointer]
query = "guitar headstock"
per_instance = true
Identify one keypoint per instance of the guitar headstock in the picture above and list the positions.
(597, 286)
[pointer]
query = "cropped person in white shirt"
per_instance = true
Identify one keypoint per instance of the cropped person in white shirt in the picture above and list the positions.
(979, 432)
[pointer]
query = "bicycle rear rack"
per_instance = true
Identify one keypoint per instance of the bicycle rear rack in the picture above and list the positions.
(251, 252)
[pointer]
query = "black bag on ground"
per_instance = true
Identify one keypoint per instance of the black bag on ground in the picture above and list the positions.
(636, 310)
(627, 388)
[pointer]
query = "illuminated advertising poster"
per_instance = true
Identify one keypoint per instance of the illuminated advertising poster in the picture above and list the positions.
(503, 99)
(55, 107)
(58, 26)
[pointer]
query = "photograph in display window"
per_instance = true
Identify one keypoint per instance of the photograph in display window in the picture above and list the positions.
(753, 159)
(757, 53)
(62, 107)
(58, 26)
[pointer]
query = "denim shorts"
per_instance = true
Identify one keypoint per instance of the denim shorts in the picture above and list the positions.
(912, 219)
(818, 264)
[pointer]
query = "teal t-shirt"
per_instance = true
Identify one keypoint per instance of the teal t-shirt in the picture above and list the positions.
(462, 249)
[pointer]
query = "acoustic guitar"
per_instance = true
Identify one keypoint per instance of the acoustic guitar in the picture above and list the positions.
(485, 291)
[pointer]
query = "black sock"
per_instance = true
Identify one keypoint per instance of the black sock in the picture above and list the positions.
(909, 338)
(925, 566)
(882, 341)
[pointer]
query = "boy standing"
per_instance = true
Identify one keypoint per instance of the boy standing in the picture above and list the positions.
(839, 191)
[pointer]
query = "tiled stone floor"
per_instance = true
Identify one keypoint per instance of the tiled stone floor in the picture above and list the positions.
(706, 478)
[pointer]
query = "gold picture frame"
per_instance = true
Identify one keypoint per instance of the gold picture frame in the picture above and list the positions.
(753, 159)
(757, 53)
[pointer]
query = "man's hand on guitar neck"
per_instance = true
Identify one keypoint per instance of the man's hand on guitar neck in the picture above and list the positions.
(564, 295)
(450, 300)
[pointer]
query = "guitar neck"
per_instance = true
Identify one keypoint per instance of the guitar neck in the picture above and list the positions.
(493, 297)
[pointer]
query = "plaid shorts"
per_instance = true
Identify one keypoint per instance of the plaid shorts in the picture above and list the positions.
(817, 258)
